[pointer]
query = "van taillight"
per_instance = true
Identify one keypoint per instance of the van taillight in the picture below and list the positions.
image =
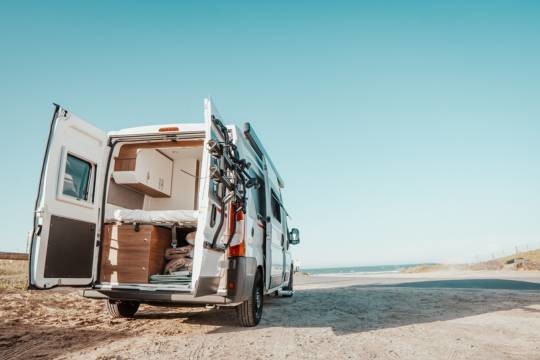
(237, 250)
(238, 245)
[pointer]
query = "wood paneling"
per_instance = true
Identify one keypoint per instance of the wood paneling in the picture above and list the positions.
(129, 256)
(125, 164)
(128, 152)
(147, 190)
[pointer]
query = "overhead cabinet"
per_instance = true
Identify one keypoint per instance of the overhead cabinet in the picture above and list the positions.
(149, 172)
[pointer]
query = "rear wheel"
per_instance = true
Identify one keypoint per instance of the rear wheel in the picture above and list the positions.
(122, 309)
(250, 311)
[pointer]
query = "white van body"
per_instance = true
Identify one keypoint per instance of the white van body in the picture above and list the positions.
(173, 183)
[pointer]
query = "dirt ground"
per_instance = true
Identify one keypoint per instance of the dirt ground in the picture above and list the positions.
(447, 317)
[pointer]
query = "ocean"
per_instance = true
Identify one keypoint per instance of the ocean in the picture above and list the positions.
(358, 270)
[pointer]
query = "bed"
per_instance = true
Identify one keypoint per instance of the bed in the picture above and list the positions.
(183, 218)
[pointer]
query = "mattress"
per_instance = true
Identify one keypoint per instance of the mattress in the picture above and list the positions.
(172, 217)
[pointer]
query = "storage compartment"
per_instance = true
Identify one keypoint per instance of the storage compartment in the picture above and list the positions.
(132, 253)
(141, 214)
(149, 172)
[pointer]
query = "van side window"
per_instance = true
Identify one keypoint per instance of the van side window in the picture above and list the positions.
(77, 178)
(276, 208)
(259, 195)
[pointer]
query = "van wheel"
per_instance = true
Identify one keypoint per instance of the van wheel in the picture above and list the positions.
(250, 311)
(122, 309)
(289, 286)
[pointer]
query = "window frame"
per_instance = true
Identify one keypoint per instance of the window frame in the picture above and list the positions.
(258, 194)
(91, 190)
(275, 199)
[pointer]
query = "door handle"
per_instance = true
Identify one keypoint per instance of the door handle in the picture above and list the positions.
(213, 214)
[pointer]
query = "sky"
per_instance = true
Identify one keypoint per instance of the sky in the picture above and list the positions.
(405, 132)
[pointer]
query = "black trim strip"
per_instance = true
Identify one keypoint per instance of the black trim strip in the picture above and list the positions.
(154, 297)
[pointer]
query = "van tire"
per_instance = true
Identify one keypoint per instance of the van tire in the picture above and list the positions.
(122, 309)
(250, 311)
(290, 285)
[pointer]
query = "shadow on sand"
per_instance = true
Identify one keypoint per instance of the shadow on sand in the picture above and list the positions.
(480, 284)
(47, 342)
(344, 310)
(371, 307)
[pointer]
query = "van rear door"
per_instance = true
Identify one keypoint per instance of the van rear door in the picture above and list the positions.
(207, 257)
(64, 241)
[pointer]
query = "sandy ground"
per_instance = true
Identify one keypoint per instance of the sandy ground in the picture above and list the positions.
(406, 316)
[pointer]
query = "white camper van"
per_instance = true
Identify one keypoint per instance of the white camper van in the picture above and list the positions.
(166, 215)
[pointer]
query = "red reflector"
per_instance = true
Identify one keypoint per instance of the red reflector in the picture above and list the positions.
(237, 250)
(170, 128)
(232, 285)
(240, 248)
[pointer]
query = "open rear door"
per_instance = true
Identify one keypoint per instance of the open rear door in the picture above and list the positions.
(63, 248)
(208, 256)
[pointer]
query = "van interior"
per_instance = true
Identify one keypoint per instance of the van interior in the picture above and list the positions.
(151, 214)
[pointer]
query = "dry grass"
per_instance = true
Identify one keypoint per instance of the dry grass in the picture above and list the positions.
(13, 256)
(13, 274)
(531, 256)
(532, 263)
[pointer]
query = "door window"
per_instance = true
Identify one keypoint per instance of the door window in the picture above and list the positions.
(276, 207)
(77, 178)
(259, 197)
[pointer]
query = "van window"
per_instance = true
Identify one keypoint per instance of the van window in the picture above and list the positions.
(76, 177)
(276, 208)
(259, 197)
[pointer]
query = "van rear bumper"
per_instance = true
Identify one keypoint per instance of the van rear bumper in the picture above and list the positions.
(154, 296)
(240, 278)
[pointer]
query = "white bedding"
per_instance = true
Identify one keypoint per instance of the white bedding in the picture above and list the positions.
(178, 217)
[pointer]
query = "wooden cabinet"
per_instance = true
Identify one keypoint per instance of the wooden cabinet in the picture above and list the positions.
(129, 256)
(147, 170)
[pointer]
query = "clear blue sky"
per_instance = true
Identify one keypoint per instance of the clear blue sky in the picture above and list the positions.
(405, 131)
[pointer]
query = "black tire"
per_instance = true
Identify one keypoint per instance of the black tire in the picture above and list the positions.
(290, 285)
(122, 309)
(250, 311)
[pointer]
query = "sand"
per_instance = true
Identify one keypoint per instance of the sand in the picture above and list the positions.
(405, 316)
